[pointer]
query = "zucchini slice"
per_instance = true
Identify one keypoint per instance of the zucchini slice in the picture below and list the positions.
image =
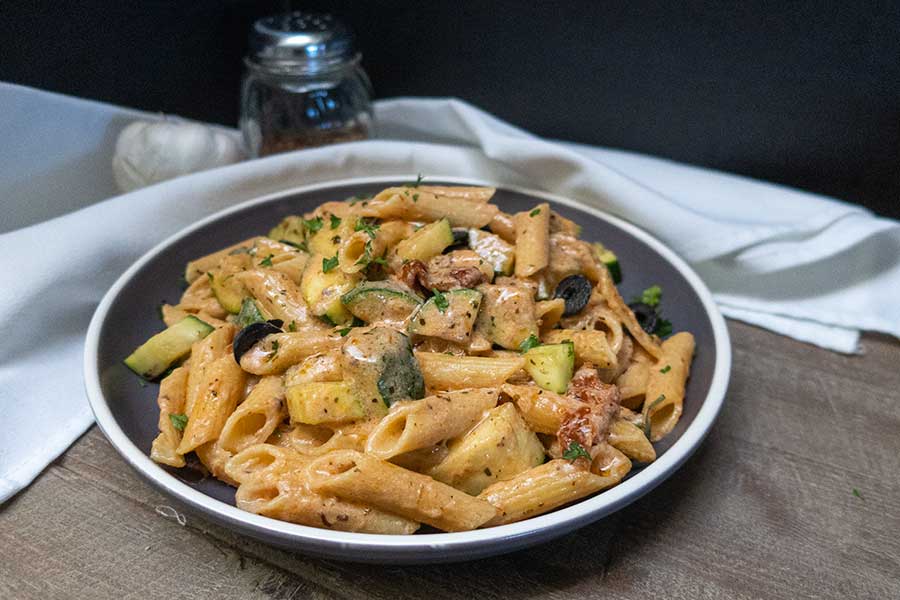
(380, 301)
(290, 230)
(323, 402)
(322, 290)
(448, 315)
(162, 350)
(551, 366)
(429, 241)
(609, 258)
(228, 291)
(249, 313)
(382, 365)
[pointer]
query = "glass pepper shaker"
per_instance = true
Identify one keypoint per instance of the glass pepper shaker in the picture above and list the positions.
(303, 85)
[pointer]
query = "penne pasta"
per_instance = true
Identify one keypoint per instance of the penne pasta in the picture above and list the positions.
(542, 489)
(665, 385)
(447, 372)
(219, 392)
(410, 425)
(413, 357)
(171, 399)
(363, 478)
(532, 240)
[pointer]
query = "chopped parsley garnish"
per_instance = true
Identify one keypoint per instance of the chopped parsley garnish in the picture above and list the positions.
(576, 451)
(652, 295)
(292, 326)
(179, 422)
(665, 369)
(267, 261)
(344, 331)
(335, 221)
(419, 179)
(380, 260)
(415, 197)
(857, 494)
(648, 423)
(370, 228)
(535, 212)
(313, 225)
(274, 351)
(530, 343)
(329, 263)
(440, 300)
(300, 246)
(210, 275)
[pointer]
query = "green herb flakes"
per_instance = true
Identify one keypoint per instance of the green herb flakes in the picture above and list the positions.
(179, 422)
(440, 301)
(267, 261)
(665, 369)
(328, 264)
(576, 451)
(528, 344)
(535, 212)
(335, 221)
(313, 225)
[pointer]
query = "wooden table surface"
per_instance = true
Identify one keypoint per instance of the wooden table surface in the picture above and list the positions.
(794, 494)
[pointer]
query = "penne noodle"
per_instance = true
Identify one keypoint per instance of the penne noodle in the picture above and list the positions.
(630, 440)
(532, 240)
(544, 411)
(262, 460)
(609, 292)
(256, 418)
(476, 194)
(203, 353)
(363, 478)
(446, 372)
(665, 385)
(548, 313)
(414, 424)
(276, 352)
(504, 225)
(198, 267)
(286, 496)
(171, 398)
(542, 489)
(219, 392)
(279, 297)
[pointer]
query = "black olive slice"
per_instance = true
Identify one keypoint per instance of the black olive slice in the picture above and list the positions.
(247, 337)
(460, 240)
(576, 291)
(646, 315)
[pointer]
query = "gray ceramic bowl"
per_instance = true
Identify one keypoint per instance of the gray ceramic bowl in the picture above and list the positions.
(127, 413)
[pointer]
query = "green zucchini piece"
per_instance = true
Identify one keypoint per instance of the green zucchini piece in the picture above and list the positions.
(383, 367)
(609, 258)
(380, 301)
(162, 350)
(551, 366)
(249, 313)
(228, 291)
(427, 242)
(323, 402)
(448, 315)
(290, 230)
(323, 290)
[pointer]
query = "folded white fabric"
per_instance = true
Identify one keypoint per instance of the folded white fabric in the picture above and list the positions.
(802, 265)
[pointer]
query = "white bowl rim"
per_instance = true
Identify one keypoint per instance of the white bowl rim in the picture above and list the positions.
(576, 514)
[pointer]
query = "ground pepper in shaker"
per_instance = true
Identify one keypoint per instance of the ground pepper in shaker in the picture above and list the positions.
(303, 85)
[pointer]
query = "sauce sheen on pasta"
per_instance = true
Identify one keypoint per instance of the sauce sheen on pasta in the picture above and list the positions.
(414, 358)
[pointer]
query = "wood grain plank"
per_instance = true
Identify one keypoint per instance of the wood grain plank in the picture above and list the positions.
(764, 509)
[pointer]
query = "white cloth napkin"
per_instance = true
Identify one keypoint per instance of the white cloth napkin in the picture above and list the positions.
(806, 266)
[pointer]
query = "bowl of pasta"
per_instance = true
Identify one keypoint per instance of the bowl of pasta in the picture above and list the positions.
(393, 372)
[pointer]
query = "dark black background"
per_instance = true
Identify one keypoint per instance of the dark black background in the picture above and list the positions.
(806, 94)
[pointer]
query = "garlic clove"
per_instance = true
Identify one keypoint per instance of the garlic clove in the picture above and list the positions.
(150, 152)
